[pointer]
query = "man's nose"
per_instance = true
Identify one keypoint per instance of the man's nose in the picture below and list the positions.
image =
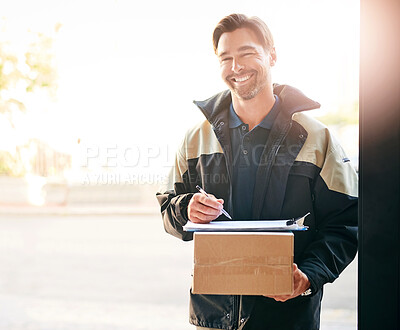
(236, 66)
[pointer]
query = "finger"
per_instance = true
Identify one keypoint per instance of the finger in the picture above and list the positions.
(209, 201)
(295, 270)
(207, 214)
(200, 213)
(203, 213)
(207, 210)
(196, 207)
(219, 200)
(196, 216)
(203, 220)
(280, 298)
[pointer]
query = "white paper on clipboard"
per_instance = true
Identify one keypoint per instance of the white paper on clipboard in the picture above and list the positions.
(250, 225)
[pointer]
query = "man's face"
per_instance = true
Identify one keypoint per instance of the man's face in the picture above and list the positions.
(245, 64)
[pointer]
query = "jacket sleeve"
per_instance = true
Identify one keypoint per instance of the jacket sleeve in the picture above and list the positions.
(175, 197)
(336, 216)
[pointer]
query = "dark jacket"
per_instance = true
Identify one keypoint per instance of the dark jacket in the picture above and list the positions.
(302, 169)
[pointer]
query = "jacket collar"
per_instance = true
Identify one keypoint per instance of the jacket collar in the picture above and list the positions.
(266, 122)
(292, 101)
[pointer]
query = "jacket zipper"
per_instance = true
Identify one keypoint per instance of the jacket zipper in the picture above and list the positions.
(230, 187)
(271, 159)
(235, 316)
(228, 169)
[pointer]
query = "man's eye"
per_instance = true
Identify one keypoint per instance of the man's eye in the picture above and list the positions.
(223, 60)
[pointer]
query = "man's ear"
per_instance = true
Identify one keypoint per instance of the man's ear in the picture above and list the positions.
(272, 56)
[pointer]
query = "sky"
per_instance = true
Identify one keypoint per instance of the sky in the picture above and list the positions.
(128, 71)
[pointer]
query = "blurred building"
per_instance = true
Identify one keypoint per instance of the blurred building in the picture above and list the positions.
(45, 161)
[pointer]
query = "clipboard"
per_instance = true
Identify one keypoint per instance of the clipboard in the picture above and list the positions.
(294, 224)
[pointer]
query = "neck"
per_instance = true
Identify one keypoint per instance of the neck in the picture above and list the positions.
(253, 111)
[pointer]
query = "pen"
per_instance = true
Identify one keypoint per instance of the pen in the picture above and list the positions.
(204, 193)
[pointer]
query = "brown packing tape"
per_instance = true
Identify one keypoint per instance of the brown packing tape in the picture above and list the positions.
(259, 270)
(243, 261)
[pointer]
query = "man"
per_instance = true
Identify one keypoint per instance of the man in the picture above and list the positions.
(264, 158)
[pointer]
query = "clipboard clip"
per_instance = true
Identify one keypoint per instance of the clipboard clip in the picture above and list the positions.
(297, 221)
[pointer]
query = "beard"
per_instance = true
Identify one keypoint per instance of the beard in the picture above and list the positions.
(248, 91)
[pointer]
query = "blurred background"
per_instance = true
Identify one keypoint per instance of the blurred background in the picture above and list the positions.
(95, 97)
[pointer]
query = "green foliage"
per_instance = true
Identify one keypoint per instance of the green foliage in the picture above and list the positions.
(9, 74)
(27, 72)
(40, 61)
(9, 165)
(26, 67)
(9, 77)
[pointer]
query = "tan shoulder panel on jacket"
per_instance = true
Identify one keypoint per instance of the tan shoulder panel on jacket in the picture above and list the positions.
(200, 140)
(324, 151)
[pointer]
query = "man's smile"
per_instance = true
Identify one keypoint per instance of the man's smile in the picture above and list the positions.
(242, 78)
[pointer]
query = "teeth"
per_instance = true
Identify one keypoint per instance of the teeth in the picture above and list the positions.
(240, 79)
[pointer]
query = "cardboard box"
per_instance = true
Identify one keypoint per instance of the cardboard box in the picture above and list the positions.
(250, 263)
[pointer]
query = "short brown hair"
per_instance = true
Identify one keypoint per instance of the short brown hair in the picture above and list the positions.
(235, 21)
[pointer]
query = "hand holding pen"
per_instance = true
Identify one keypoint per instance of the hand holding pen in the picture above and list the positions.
(203, 207)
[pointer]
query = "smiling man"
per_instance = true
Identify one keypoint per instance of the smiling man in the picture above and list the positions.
(264, 158)
(245, 64)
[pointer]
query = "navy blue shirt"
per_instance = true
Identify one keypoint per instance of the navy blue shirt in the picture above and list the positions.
(247, 148)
